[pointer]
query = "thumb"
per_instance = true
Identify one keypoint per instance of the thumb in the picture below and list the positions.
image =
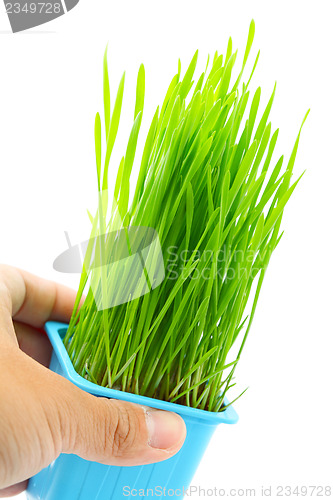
(43, 414)
(116, 432)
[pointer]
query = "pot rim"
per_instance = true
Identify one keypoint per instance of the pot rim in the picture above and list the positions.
(53, 328)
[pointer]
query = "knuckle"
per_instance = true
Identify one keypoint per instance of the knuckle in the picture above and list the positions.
(125, 430)
(69, 425)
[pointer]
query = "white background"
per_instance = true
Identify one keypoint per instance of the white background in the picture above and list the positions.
(50, 89)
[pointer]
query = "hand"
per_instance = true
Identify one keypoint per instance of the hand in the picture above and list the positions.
(42, 414)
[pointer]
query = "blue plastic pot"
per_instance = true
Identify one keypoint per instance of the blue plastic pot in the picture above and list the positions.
(72, 478)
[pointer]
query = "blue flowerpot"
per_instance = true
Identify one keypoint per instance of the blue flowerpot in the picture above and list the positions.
(70, 477)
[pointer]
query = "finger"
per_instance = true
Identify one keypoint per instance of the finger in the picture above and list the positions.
(16, 489)
(43, 414)
(116, 432)
(34, 300)
(33, 343)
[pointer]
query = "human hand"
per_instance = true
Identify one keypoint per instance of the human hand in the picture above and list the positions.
(42, 414)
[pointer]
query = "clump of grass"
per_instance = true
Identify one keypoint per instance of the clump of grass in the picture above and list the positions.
(207, 185)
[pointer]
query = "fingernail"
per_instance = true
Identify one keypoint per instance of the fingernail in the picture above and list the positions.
(165, 428)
